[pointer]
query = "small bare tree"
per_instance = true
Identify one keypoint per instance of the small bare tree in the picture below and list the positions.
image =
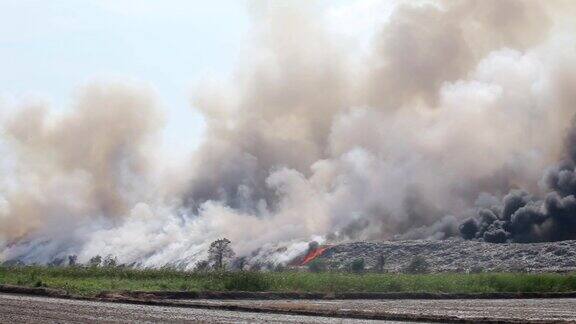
(219, 253)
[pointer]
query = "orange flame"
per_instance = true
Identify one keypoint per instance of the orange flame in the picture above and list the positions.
(313, 255)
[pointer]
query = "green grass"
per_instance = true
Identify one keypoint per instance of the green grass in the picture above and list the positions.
(90, 281)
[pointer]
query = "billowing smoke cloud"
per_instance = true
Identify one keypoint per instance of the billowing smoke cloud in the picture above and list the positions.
(87, 164)
(521, 217)
(451, 106)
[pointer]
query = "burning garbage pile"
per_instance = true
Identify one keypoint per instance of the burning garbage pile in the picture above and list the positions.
(448, 256)
(314, 251)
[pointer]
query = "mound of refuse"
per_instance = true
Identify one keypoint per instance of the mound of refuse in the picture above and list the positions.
(454, 256)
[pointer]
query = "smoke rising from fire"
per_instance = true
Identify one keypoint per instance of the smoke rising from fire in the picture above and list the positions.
(452, 106)
(522, 217)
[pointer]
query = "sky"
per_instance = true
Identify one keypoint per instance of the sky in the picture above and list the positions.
(50, 48)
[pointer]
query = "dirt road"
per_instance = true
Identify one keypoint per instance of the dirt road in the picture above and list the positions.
(26, 309)
(473, 310)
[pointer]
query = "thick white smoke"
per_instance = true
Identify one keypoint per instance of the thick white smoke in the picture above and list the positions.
(312, 139)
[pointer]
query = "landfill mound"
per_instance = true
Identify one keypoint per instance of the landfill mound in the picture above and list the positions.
(455, 256)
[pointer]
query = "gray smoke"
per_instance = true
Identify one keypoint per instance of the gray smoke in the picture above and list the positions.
(521, 217)
(316, 137)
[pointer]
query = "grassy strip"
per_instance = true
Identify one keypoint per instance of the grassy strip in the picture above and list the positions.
(90, 281)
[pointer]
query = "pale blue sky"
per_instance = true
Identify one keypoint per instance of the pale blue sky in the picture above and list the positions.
(50, 47)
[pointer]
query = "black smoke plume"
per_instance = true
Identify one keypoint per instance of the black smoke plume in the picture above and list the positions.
(522, 217)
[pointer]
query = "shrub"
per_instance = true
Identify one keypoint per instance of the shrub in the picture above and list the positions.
(417, 265)
(357, 266)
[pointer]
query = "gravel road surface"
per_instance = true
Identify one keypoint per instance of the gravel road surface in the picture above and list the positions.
(515, 310)
(26, 309)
